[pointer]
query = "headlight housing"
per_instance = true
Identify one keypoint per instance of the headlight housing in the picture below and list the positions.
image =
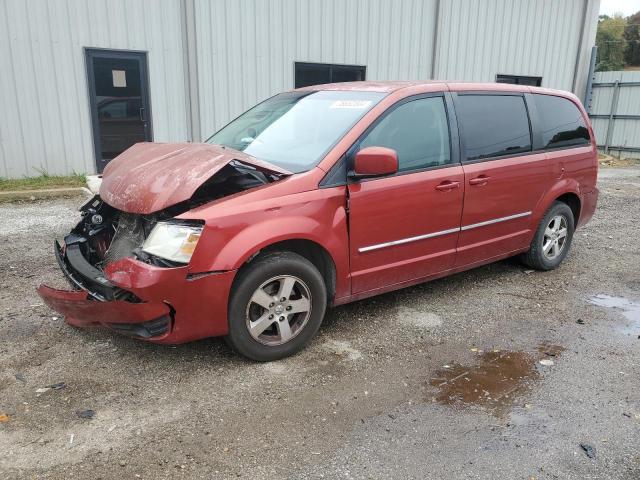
(173, 241)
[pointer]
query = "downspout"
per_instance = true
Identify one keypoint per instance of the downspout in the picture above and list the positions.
(436, 25)
(190, 62)
(585, 9)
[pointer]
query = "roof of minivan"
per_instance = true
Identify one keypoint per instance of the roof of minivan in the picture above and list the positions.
(393, 86)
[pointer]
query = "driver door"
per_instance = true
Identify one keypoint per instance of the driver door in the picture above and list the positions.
(405, 227)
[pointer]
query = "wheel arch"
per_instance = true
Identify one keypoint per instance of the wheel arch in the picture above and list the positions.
(573, 201)
(567, 191)
(317, 254)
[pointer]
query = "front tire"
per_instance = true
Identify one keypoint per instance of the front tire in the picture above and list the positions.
(552, 241)
(276, 306)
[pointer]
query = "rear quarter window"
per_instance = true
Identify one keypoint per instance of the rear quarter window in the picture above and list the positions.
(561, 122)
(493, 125)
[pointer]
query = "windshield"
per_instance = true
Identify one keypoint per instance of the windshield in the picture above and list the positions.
(295, 130)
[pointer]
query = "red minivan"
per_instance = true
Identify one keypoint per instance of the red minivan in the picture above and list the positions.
(322, 196)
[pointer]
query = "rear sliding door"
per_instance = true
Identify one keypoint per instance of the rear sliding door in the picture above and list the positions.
(504, 178)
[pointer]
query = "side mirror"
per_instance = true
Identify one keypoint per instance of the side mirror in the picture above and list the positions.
(375, 162)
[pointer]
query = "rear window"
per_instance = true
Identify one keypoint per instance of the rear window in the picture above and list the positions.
(493, 125)
(561, 123)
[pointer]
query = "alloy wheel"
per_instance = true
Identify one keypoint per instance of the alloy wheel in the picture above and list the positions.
(555, 237)
(278, 310)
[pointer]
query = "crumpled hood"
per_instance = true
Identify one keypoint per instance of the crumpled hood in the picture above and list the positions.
(149, 177)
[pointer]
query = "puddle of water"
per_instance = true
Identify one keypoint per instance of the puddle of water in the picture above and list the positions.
(495, 383)
(630, 310)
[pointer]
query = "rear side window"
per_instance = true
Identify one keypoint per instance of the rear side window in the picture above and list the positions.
(417, 130)
(493, 125)
(561, 123)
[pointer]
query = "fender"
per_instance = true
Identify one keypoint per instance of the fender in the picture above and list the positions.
(561, 187)
(320, 220)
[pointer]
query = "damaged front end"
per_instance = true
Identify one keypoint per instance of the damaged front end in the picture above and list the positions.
(128, 259)
(107, 241)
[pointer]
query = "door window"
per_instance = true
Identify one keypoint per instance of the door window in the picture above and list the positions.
(417, 130)
(562, 124)
(493, 125)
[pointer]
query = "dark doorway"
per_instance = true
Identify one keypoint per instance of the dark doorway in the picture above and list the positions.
(119, 99)
(307, 74)
(519, 80)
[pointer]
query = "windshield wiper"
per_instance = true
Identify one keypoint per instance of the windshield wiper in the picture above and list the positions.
(256, 172)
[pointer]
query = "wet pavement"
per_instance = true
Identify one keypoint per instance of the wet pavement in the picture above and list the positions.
(498, 372)
(496, 382)
(630, 310)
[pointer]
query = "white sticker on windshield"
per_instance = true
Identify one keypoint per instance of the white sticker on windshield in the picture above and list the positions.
(351, 104)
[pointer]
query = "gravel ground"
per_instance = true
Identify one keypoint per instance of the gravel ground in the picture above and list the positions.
(498, 372)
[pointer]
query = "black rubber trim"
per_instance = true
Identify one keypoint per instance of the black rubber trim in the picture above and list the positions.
(149, 329)
(84, 268)
(79, 282)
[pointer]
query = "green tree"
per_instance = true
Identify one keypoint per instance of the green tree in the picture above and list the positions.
(632, 37)
(611, 42)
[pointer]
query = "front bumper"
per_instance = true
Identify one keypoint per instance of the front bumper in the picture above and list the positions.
(162, 305)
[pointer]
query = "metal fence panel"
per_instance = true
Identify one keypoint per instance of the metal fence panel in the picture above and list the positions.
(615, 112)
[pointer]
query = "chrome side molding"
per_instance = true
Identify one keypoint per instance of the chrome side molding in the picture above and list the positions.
(442, 232)
(495, 220)
(407, 240)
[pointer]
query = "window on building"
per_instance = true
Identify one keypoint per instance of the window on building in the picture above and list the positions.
(519, 80)
(417, 130)
(493, 125)
(318, 73)
(562, 124)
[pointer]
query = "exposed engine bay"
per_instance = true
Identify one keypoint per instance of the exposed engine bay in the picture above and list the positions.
(106, 234)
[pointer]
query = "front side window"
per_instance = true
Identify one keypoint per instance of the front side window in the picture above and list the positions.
(295, 130)
(493, 125)
(417, 130)
(562, 124)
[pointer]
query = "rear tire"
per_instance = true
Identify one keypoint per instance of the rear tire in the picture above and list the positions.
(276, 306)
(552, 241)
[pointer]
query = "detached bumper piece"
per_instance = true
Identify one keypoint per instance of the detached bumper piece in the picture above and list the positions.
(97, 301)
(148, 302)
(80, 310)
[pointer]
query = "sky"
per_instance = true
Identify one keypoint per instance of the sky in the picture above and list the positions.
(626, 7)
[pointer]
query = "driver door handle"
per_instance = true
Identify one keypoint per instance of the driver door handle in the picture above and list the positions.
(447, 185)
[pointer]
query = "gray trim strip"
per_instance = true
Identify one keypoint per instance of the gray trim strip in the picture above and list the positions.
(440, 233)
(408, 240)
(495, 220)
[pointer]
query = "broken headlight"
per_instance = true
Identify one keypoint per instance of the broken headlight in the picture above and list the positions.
(173, 241)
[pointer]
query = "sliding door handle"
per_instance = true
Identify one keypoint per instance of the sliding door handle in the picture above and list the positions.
(481, 180)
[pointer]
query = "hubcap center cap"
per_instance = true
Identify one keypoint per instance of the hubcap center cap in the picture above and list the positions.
(279, 309)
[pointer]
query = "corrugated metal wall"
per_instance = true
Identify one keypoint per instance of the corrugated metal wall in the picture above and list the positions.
(247, 48)
(245, 52)
(626, 132)
(45, 123)
(478, 39)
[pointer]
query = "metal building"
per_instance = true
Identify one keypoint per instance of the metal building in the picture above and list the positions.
(80, 80)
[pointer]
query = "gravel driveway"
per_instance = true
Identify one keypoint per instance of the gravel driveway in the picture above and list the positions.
(498, 372)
